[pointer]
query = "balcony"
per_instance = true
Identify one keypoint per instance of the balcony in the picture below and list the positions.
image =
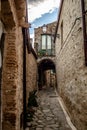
(46, 47)
(48, 52)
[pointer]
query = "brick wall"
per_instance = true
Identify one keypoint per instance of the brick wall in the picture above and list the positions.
(12, 80)
(19, 90)
(13, 17)
(70, 63)
(31, 74)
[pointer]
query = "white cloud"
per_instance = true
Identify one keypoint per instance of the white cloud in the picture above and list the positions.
(37, 9)
(32, 36)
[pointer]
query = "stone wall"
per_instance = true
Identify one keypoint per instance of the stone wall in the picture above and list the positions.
(70, 63)
(31, 74)
(48, 78)
(19, 89)
(13, 14)
(50, 29)
(12, 87)
(12, 72)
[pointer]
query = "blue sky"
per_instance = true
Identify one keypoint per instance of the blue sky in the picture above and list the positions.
(42, 12)
(45, 19)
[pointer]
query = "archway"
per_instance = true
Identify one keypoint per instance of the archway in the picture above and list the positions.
(46, 73)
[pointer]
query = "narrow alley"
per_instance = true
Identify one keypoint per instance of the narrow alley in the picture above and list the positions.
(43, 64)
(49, 115)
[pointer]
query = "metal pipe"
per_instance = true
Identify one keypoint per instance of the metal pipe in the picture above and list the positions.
(24, 78)
(25, 45)
(28, 44)
(84, 30)
(1, 68)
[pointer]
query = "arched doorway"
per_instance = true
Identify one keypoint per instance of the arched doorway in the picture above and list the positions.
(46, 74)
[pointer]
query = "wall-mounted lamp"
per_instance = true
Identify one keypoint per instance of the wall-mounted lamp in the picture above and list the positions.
(44, 28)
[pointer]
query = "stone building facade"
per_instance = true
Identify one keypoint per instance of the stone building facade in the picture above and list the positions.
(50, 78)
(13, 17)
(45, 52)
(50, 29)
(71, 59)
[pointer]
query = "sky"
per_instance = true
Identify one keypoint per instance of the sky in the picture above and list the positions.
(42, 12)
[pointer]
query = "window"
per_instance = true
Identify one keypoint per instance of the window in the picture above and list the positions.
(48, 42)
(43, 41)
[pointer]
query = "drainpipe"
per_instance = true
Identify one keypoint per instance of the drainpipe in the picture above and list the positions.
(25, 46)
(24, 78)
(84, 29)
(25, 35)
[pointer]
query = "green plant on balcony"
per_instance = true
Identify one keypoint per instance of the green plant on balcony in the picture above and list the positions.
(42, 53)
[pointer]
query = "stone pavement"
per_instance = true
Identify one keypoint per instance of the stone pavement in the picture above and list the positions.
(49, 115)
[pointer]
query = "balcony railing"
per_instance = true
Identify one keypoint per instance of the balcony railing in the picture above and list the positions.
(43, 52)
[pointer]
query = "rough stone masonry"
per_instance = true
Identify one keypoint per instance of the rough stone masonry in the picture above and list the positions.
(70, 62)
(13, 14)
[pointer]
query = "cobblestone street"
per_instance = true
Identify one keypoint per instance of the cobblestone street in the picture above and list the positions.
(49, 115)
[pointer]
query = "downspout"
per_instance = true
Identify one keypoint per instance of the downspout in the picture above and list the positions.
(24, 78)
(24, 30)
(84, 30)
(2, 50)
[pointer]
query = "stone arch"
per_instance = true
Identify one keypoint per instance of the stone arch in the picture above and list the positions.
(52, 59)
(48, 61)
(45, 67)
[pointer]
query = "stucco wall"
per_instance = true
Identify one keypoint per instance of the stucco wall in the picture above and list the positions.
(70, 63)
(31, 74)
